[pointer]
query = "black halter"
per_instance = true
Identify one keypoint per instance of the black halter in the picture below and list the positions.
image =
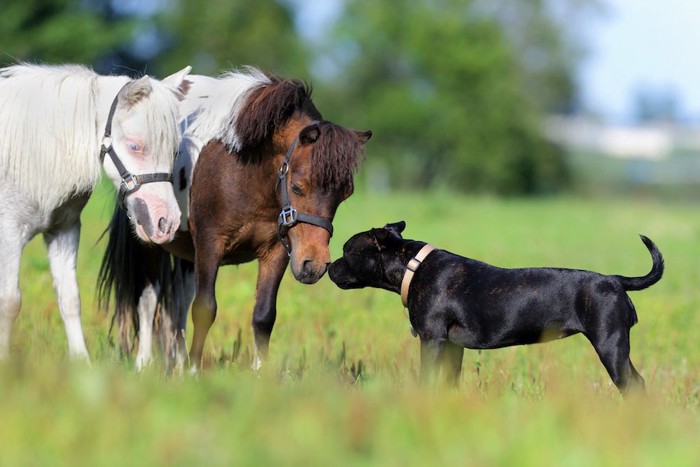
(130, 183)
(289, 217)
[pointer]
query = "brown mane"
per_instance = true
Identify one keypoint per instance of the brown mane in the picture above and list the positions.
(335, 155)
(270, 106)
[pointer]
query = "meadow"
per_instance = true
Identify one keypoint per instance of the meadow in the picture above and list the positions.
(340, 387)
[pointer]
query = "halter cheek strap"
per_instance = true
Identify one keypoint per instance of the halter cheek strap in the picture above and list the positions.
(130, 182)
(411, 270)
(289, 216)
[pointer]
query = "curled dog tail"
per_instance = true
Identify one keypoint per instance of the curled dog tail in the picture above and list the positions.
(657, 270)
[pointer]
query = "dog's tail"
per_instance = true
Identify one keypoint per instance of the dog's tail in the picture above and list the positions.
(657, 270)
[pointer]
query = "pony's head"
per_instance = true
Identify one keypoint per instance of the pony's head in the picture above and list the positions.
(144, 137)
(320, 177)
(318, 157)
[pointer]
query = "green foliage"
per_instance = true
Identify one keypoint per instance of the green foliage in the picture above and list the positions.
(59, 31)
(546, 36)
(521, 406)
(218, 35)
(442, 89)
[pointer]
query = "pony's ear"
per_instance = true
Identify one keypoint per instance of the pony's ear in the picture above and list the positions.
(178, 82)
(396, 227)
(364, 136)
(137, 90)
(310, 134)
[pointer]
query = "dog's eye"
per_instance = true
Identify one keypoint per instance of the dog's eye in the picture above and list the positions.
(296, 189)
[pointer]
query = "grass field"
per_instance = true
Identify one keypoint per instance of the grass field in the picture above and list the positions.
(340, 387)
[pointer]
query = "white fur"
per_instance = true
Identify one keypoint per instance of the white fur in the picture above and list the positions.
(48, 139)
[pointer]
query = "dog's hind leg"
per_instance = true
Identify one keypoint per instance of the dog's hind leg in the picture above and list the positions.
(614, 351)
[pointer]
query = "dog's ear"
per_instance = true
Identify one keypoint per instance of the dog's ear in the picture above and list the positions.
(378, 237)
(396, 227)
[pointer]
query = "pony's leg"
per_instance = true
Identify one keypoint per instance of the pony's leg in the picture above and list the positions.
(146, 310)
(62, 246)
(188, 295)
(270, 272)
(11, 245)
(206, 268)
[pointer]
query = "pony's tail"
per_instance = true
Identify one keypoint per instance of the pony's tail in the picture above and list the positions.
(657, 270)
(128, 266)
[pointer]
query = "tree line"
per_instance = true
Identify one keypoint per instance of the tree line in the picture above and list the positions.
(455, 91)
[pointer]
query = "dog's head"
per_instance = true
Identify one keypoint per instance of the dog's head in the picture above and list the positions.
(369, 258)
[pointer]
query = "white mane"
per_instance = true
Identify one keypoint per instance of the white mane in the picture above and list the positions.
(48, 142)
(212, 106)
(49, 135)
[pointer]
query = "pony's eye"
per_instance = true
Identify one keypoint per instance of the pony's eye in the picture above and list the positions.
(296, 189)
(134, 147)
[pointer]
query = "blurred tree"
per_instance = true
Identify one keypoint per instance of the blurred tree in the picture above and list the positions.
(60, 31)
(547, 37)
(443, 90)
(218, 35)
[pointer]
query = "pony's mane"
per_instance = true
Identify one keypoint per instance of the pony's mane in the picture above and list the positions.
(214, 108)
(49, 140)
(269, 107)
(243, 108)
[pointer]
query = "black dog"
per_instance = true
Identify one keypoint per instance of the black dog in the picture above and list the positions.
(455, 302)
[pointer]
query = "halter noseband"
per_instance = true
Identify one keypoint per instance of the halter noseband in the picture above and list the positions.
(130, 182)
(289, 217)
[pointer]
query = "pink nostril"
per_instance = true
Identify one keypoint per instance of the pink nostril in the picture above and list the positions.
(162, 225)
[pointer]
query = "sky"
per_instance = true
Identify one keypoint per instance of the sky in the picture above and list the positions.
(643, 43)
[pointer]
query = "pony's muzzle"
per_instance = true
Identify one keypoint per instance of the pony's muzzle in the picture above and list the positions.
(154, 222)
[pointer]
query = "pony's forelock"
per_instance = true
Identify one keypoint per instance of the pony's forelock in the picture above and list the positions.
(160, 111)
(336, 156)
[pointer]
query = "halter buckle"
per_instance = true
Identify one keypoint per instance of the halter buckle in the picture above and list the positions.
(130, 183)
(288, 217)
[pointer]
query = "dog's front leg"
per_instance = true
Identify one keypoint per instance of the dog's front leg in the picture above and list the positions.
(451, 362)
(430, 351)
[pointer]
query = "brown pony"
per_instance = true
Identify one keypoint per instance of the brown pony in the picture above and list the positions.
(264, 175)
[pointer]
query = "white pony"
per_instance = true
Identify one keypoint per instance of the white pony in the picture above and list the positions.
(57, 124)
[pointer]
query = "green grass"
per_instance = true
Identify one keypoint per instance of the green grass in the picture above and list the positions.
(537, 405)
